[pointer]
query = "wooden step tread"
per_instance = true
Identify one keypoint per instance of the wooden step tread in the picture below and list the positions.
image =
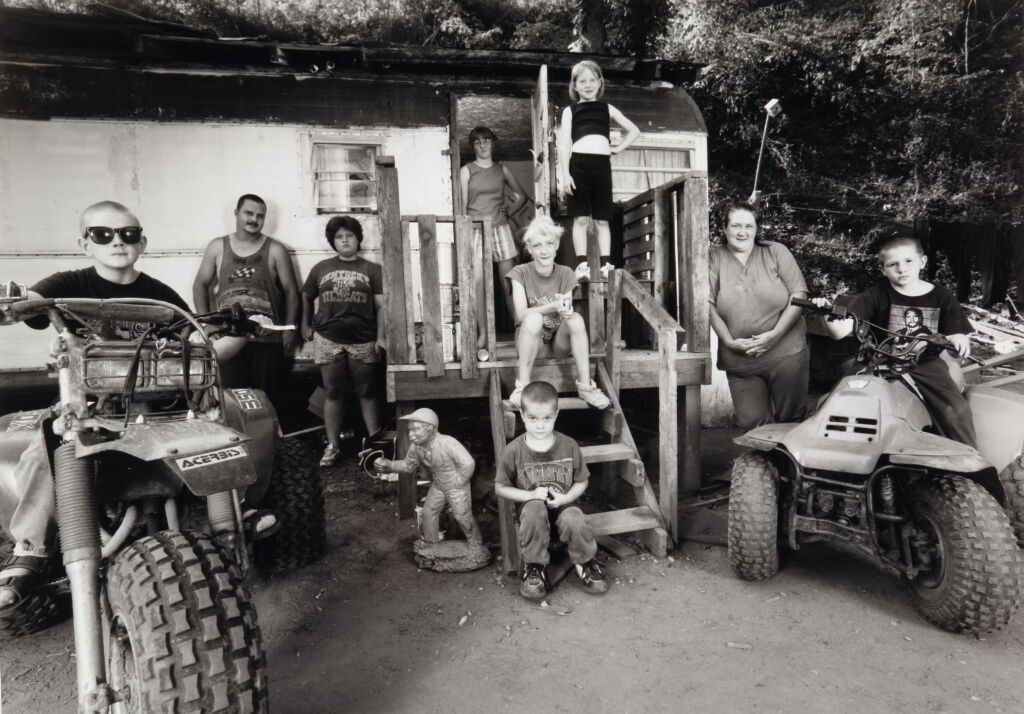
(607, 452)
(626, 520)
(564, 403)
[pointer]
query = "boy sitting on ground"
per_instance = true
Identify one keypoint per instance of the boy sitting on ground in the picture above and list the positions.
(547, 325)
(888, 303)
(544, 472)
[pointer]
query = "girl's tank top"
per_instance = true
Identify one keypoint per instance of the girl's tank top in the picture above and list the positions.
(248, 281)
(487, 192)
(590, 118)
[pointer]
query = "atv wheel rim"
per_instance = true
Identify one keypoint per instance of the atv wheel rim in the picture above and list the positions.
(930, 576)
(121, 667)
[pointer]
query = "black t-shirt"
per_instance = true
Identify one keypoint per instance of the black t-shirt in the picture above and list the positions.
(87, 283)
(935, 311)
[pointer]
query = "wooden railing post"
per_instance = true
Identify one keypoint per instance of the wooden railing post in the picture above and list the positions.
(465, 260)
(430, 291)
(668, 440)
(390, 219)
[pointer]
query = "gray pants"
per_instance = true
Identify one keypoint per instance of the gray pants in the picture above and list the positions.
(535, 533)
(775, 391)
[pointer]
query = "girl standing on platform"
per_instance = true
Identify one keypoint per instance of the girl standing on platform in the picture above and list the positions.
(483, 183)
(584, 162)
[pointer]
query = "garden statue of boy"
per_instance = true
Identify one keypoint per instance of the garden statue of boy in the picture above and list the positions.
(451, 467)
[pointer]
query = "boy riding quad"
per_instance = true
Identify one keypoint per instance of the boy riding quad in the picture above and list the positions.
(868, 470)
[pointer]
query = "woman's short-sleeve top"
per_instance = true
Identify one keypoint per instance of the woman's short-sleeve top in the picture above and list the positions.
(750, 299)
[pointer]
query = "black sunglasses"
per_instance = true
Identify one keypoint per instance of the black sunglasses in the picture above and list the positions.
(101, 235)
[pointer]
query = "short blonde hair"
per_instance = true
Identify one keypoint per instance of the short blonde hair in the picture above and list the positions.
(577, 70)
(540, 228)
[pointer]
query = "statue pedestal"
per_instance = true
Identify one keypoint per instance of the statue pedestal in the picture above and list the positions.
(450, 556)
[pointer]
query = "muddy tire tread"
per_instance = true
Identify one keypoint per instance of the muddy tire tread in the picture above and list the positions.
(983, 560)
(194, 626)
(1012, 479)
(753, 529)
(296, 496)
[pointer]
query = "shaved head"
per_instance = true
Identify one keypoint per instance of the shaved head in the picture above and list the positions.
(107, 213)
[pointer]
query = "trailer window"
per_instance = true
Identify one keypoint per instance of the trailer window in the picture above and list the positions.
(344, 177)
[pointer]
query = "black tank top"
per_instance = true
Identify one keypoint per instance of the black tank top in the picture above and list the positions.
(590, 118)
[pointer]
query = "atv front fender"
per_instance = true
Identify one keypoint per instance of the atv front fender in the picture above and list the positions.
(765, 438)
(208, 457)
(909, 447)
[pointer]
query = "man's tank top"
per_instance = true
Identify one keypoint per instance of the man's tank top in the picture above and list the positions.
(590, 118)
(248, 282)
(487, 192)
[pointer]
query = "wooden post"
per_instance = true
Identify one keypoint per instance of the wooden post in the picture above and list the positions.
(595, 296)
(613, 352)
(406, 482)
(662, 248)
(668, 492)
(453, 152)
(506, 509)
(689, 454)
(430, 285)
(467, 296)
(692, 265)
(390, 219)
(488, 287)
(410, 297)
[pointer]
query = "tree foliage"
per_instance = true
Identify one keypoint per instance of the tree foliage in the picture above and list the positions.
(891, 107)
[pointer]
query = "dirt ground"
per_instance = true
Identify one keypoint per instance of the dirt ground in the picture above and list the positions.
(364, 630)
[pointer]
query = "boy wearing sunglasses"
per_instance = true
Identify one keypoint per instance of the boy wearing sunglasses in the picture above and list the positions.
(111, 235)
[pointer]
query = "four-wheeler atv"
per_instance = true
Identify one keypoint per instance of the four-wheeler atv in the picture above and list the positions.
(143, 444)
(866, 470)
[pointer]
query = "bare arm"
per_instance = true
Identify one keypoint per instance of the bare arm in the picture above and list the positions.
(722, 330)
(564, 146)
(282, 265)
(520, 495)
(759, 344)
(378, 302)
(307, 317)
(557, 500)
(522, 307)
(464, 185)
(517, 189)
(205, 276)
(632, 130)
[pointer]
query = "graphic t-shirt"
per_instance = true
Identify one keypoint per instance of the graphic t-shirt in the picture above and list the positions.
(935, 311)
(557, 468)
(543, 290)
(87, 283)
(344, 289)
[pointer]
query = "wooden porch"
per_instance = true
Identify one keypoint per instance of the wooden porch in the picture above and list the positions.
(647, 330)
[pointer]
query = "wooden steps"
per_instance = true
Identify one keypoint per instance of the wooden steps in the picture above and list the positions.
(619, 458)
(603, 453)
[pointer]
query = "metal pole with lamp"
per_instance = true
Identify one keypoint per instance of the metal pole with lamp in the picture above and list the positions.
(772, 109)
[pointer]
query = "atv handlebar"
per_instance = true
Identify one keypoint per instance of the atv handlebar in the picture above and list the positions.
(133, 309)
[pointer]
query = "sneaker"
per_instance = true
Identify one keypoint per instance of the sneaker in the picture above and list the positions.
(583, 271)
(330, 456)
(535, 582)
(517, 395)
(606, 269)
(592, 577)
(592, 395)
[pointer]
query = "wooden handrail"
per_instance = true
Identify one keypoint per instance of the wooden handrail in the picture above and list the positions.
(654, 314)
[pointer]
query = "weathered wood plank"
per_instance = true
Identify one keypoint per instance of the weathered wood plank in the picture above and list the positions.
(467, 295)
(392, 267)
(663, 239)
(487, 267)
(410, 296)
(454, 132)
(668, 480)
(613, 350)
(639, 245)
(642, 210)
(637, 230)
(601, 453)
(692, 266)
(689, 454)
(625, 520)
(506, 509)
(430, 287)
(636, 265)
(406, 482)
(649, 309)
